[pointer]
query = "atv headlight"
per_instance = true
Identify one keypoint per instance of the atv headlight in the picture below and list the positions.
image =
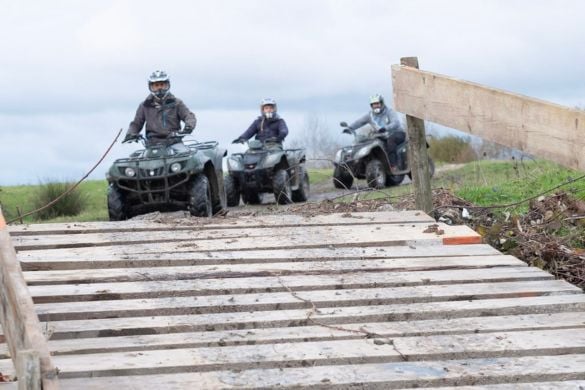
(235, 164)
(272, 159)
(130, 172)
(175, 167)
(363, 152)
(338, 155)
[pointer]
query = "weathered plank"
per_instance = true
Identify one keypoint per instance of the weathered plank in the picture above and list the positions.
(318, 353)
(298, 300)
(314, 333)
(561, 385)
(287, 220)
(398, 375)
(537, 127)
(122, 257)
(17, 314)
(254, 238)
(264, 269)
(339, 315)
(197, 287)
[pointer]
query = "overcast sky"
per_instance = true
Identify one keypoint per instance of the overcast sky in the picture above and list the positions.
(73, 72)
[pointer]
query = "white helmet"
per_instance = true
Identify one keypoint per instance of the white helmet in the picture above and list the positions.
(377, 98)
(268, 102)
(156, 77)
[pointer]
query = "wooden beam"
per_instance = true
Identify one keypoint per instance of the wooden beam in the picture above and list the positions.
(417, 154)
(28, 370)
(543, 129)
(20, 323)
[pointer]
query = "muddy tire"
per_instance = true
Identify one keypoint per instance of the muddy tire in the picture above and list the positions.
(302, 194)
(375, 174)
(431, 169)
(281, 187)
(251, 197)
(200, 202)
(232, 191)
(116, 204)
(392, 180)
(342, 178)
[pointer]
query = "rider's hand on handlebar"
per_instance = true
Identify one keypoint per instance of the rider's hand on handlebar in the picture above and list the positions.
(130, 138)
(238, 141)
(185, 131)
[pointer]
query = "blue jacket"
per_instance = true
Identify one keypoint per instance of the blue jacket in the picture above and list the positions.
(386, 119)
(266, 128)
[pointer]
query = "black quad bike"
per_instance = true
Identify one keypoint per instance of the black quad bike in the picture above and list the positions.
(166, 176)
(367, 158)
(267, 168)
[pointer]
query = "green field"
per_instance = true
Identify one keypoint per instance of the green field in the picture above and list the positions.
(481, 182)
(488, 183)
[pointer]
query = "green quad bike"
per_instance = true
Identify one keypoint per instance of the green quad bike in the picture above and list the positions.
(267, 167)
(168, 176)
(367, 158)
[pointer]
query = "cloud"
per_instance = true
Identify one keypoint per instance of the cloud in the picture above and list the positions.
(73, 64)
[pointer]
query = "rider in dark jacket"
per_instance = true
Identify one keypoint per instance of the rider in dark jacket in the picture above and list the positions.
(161, 112)
(269, 125)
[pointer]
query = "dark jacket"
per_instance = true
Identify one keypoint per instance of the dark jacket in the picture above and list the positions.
(162, 117)
(266, 128)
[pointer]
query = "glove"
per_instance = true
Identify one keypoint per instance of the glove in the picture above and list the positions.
(346, 131)
(130, 138)
(381, 130)
(238, 141)
(185, 131)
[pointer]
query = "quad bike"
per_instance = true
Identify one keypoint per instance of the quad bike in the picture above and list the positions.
(267, 168)
(167, 175)
(367, 158)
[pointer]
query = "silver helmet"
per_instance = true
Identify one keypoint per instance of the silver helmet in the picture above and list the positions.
(377, 98)
(156, 77)
(268, 102)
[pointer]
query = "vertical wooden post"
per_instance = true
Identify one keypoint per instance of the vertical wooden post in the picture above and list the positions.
(418, 157)
(20, 323)
(28, 370)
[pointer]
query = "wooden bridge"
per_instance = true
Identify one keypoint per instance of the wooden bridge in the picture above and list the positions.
(382, 300)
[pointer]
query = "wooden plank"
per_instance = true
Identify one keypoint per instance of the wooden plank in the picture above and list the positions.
(17, 314)
(283, 220)
(561, 385)
(198, 287)
(298, 300)
(28, 370)
(396, 375)
(339, 315)
(253, 238)
(265, 269)
(123, 257)
(320, 353)
(537, 127)
(314, 333)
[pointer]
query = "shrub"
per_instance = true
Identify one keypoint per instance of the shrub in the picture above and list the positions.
(71, 204)
(451, 149)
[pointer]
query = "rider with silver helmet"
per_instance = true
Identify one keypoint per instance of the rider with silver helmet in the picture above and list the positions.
(269, 125)
(384, 120)
(162, 112)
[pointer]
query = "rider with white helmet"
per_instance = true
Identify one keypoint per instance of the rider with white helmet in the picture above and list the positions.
(161, 111)
(268, 126)
(384, 120)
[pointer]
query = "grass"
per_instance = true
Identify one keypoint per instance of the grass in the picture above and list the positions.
(481, 182)
(24, 197)
(95, 191)
(488, 183)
